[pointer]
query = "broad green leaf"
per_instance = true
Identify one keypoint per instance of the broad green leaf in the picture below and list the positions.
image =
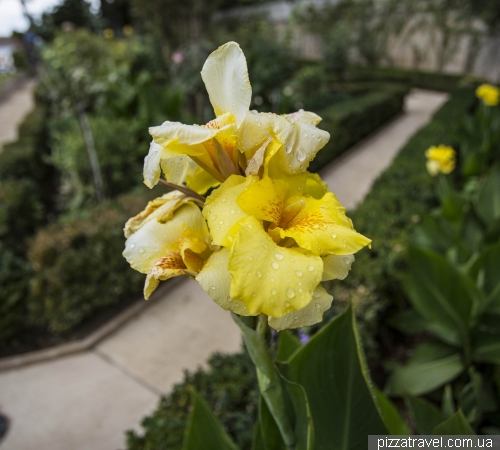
(435, 234)
(430, 367)
(485, 271)
(441, 295)
(424, 414)
(455, 425)
(488, 203)
(257, 441)
(408, 322)
(204, 432)
(486, 347)
(270, 434)
(390, 415)
(448, 403)
(470, 398)
(287, 345)
(332, 370)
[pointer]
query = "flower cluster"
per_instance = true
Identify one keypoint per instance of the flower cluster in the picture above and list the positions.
(440, 159)
(490, 95)
(269, 233)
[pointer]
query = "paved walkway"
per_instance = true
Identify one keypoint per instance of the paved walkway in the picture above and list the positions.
(86, 401)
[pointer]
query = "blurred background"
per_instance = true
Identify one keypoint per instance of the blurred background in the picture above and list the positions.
(80, 83)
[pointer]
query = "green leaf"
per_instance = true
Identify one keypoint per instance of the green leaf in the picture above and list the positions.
(430, 367)
(204, 432)
(441, 295)
(488, 203)
(270, 434)
(448, 403)
(287, 345)
(424, 414)
(455, 425)
(333, 372)
(485, 271)
(390, 415)
(486, 347)
(408, 322)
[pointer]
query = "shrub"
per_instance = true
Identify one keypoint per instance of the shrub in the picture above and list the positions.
(230, 388)
(78, 266)
(348, 122)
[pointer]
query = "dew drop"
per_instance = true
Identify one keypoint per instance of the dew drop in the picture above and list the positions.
(132, 245)
(334, 236)
(301, 157)
(290, 293)
(258, 274)
(275, 265)
(310, 268)
(213, 217)
(273, 292)
(141, 250)
(223, 200)
(232, 211)
(298, 273)
(316, 294)
(317, 305)
(221, 222)
(278, 256)
(287, 304)
(212, 287)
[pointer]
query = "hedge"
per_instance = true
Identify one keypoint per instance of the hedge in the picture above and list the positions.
(348, 122)
(398, 198)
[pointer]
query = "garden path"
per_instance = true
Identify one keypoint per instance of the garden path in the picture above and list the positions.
(86, 401)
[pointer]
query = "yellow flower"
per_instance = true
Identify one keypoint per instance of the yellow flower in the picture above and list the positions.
(237, 141)
(490, 95)
(128, 30)
(440, 159)
(279, 238)
(168, 239)
(108, 33)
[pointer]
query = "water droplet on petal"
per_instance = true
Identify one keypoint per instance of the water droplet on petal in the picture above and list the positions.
(316, 294)
(141, 250)
(287, 304)
(132, 245)
(334, 236)
(310, 268)
(212, 287)
(275, 265)
(232, 211)
(298, 273)
(278, 256)
(273, 292)
(317, 305)
(258, 273)
(213, 217)
(290, 293)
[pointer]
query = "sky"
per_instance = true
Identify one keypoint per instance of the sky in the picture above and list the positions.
(11, 14)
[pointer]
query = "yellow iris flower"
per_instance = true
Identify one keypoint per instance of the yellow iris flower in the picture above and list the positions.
(237, 141)
(490, 95)
(440, 159)
(270, 233)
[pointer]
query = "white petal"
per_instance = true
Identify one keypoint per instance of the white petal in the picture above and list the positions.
(151, 171)
(306, 117)
(225, 75)
(336, 267)
(311, 314)
(215, 279)
(185, 134)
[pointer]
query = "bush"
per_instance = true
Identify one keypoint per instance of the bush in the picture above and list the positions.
(348, 122)
(230, 388)
(78, 266)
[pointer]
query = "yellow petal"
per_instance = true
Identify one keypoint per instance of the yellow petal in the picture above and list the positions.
(222, 211)
(254, 130)
(181, 133)
(215, 279)
(306, 117)
(264, 199)
(155, 240)
(167, 267)
(225, 76)
(309, 315)
(323, 228)
(336, 267)
(190, 247)
(270, 279)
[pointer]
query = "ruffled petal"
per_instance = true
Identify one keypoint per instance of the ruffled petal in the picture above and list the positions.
(309, 315)
(323, 228)
(167, 267)
(225, 75)
(270, 279)
(336, 267)
(215, 279)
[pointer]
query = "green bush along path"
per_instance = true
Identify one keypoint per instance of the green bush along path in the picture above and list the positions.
(119, 381)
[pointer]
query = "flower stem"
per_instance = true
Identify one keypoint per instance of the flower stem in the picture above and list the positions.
(184, 190)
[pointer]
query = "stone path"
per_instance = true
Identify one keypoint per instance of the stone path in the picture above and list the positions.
(87, 401)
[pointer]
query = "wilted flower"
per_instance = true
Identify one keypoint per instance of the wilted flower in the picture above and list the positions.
(489, 94)
(440, 159)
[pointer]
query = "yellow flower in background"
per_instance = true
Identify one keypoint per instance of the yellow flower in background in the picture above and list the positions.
(489, 94)
(237, 141)
(108, 33)
(440, 159)
(128, 30)
(168, 239)
(279, 238)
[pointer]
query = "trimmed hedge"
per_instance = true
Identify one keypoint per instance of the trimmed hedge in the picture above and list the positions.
(434, 81)
(398, 198)
(348, 122)
(78, 267)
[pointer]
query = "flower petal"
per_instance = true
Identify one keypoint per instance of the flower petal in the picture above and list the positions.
(309, 315)
(167, 267)
(222, 211)
(270, 279)
(225, 75)
(323, 228)
(155, 240)
(215, 279)
(254, 131)
(306, 117)
(336, 267)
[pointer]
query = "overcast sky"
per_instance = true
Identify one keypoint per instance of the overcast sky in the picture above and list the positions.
(11, 14)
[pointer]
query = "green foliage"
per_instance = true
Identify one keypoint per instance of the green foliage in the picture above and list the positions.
(229, 386)
(348, 122)
(78, 267)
